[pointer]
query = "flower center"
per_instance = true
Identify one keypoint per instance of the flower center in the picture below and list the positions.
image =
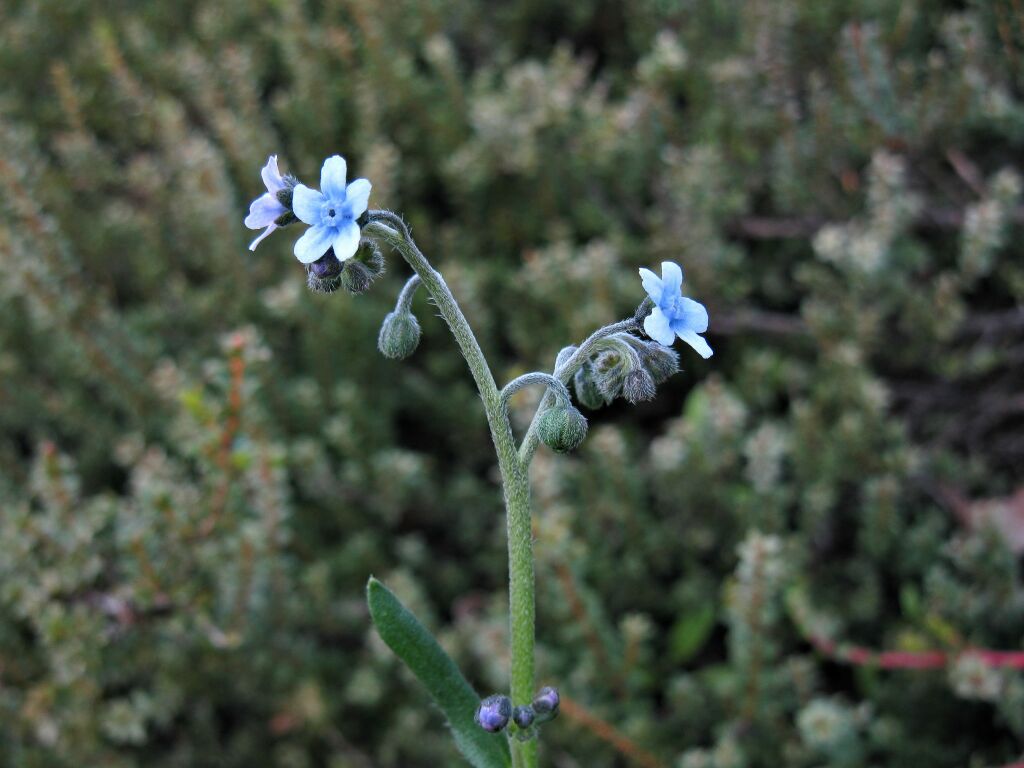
(332, 213)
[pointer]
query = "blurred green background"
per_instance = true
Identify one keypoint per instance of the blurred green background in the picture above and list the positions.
(201, 462)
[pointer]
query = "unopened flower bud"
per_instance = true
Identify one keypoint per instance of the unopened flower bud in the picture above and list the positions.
(609, 374)
(399, 335)
(493, 713)
(285, 193)
(324, 274)
(661, 362)
(369, 253)
(562, 428)
(523, 716)
(587, 393)
(638, 386)
(545, 704)
(356, 277)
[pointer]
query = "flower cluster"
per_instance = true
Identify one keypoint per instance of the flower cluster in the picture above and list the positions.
(495, 712)
(333, 215)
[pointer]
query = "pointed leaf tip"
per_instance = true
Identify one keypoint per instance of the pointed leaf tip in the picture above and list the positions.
(415, 646)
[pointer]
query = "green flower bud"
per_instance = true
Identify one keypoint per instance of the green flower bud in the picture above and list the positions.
(562, 428)
(587, 393)
(399, 335)
(609, 374)
(638, 386)
(356, 277)
(662, 362)
(370, 255)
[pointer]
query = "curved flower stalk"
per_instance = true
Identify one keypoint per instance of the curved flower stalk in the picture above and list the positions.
(614, 361)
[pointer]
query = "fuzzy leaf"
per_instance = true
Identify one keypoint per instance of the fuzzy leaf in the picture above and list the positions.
(414, 645)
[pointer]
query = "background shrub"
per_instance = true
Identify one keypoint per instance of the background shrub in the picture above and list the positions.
(201, 462)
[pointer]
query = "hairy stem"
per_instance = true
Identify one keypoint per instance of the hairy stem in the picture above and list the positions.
(528, 379)
(514, 477)
(404, 301)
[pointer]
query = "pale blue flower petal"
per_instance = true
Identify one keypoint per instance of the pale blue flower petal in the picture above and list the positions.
(272, 176)
(358, 197)
(263, 234)
(307, 204)
(332, 178)
(652, 284)
(697, 342)
(695, 315)
(671, 278)
(263, 211)
(314, 243)
(346, 241)
(657, 327)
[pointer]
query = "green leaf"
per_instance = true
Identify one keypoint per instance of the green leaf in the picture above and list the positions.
(414, 645)
(691, 631)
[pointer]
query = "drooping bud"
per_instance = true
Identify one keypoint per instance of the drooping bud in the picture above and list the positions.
(587, 393)
(638, 386)
(324, 274)
(545, 704)
(356, 277)
(369, 253)
(523, 716)
(285, 193)
(493, 713)
(399, 335)
(609, 374)
(660, 361)
(359, 272)
(562, 428)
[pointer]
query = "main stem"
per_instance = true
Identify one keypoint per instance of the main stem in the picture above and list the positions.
(514, 475)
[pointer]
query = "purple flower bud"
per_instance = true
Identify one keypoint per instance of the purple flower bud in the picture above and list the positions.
(523, 716)
(324, 274)
(545, 704)
(326, 266)
(493, 713)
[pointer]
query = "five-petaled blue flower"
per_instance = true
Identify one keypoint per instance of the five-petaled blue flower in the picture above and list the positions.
(267, 208)
(331, 213)
(674, 314)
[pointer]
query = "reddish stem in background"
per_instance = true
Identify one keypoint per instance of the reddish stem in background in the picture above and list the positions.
(609, 734)
(861, 656)
(236, 366)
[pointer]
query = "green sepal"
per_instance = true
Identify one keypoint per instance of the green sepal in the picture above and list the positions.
(415, 646)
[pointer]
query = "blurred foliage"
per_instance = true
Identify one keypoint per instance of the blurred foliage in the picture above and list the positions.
(201, 462)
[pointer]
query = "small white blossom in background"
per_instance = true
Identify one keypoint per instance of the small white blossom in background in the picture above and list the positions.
(971, 678)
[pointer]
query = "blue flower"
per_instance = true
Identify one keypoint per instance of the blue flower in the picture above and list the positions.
(331, 213)
(674, 314)
(267, 208)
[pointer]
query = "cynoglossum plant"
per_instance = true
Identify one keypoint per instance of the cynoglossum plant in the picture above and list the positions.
(613, 361)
